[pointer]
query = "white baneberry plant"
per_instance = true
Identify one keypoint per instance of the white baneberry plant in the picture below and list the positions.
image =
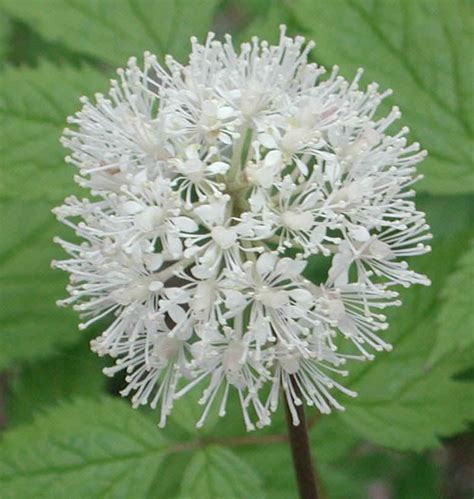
(211, 185)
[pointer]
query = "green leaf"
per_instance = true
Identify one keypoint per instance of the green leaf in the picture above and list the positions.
(72, 372)
(31, 325)
(332, 440)
(28, 48)
(90, 449)
(187, 411)
(5, 32)
(114, 30)
(274, 465)
(421, 49)
(347, 466)
(215, 472)
(167, 482)
(456, 317)
(447, 215)
(265, 22)
(332, 443)
(34, 105)
(404, 402)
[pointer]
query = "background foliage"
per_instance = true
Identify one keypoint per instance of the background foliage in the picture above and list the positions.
(67, 434)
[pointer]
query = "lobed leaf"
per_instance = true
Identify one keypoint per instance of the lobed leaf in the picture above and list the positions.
(456, 317)
(34, 104)
(31, 325)
(405, 402)
(70, 373)
(420, 49)
(114, 30)
(94, 449)
(216, 472)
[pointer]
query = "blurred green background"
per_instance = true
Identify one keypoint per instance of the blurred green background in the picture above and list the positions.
(65, 432)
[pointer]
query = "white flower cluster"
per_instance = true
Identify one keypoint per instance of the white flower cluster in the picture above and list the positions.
(212, 184)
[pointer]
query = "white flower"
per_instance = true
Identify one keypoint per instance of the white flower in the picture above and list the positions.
(154, 363)
(197, 175)
(212, 184)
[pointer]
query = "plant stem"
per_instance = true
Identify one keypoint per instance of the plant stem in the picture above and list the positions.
(308, 483)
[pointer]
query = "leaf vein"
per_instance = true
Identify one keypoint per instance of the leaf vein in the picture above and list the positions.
(406, 64)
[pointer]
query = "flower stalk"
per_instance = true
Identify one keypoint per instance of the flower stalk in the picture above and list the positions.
(309, 485)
